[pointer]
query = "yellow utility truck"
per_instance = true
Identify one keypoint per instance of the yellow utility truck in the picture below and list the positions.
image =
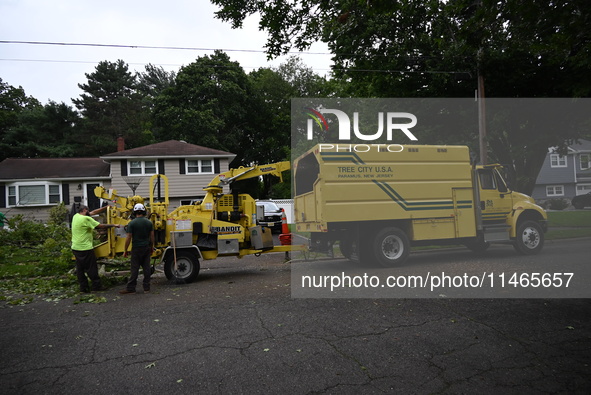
(222, 224)
(376, 200)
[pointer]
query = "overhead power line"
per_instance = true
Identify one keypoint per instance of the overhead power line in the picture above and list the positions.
(207, 49)
(149, 47)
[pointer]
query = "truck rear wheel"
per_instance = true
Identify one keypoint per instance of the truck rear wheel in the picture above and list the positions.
(391, 247)
(529, 238)
(187, 266)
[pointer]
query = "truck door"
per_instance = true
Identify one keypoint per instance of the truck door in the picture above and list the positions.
(495, 198)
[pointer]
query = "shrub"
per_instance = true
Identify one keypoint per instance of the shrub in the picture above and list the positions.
(557, 204)
(47, 245)
(24, 233)
(58, 215)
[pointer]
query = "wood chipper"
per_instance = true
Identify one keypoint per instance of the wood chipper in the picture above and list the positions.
(222, 224)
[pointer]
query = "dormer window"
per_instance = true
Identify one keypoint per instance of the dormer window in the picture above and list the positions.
(557, 160)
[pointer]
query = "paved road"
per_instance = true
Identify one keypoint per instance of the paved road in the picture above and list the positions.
(238, 330)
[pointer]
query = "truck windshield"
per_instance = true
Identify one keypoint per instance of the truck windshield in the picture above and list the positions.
(269, 206)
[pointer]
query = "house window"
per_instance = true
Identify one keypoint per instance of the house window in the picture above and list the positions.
(583, 189)
(557, 160)
(585, 161)
(33, 194)
(142, 167)
(201, 166)
(554, 190)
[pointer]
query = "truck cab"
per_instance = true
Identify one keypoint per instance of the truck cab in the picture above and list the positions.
(506, 215)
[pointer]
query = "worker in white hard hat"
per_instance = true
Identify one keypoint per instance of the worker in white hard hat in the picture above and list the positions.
(140, 234)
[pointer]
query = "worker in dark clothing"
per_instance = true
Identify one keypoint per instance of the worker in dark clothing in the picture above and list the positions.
(140, 234)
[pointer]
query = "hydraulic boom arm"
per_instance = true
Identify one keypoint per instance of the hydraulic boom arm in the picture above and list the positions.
(243, 173)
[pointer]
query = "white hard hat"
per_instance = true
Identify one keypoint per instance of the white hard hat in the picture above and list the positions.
(139, 207)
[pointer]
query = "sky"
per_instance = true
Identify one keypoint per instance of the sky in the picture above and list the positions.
(53, 72)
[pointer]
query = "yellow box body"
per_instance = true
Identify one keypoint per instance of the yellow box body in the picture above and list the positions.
(428, 187)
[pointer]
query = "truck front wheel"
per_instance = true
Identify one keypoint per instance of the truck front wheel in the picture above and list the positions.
(391, 247)
(529, 238)
(187, 266)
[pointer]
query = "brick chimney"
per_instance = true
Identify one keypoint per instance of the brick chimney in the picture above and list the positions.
(120, 144)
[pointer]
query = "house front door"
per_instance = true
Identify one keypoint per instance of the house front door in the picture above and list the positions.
(93, 201)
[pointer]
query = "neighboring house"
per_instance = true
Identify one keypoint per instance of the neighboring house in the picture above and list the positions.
(32, 186)
(188, 167)
(565, 176)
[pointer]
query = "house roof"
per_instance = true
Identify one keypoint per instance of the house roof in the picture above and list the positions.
(582, 145)
(579, 146)
(170, 148)
(46, 168)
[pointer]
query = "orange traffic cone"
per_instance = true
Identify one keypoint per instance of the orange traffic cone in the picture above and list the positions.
(285, 237)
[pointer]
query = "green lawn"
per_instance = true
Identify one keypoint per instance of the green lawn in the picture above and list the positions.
(575, 218)
(569, 224)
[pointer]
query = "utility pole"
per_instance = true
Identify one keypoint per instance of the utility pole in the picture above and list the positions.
(481, 114)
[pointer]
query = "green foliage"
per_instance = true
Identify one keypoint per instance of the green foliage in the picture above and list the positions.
(58, 214)
(90, 298)
(48, 244)
(25, 233)
(111, 106)
(153, 82)
(19, 291)
(210, 104)
(556, 204)
(418, 48)
(281, 190)
(44, 131)
(273, 90)
(13, 102)
(425, 48)
(36, 259)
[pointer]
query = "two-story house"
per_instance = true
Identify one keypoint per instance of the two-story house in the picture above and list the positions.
(32, 186)
(188, 167)
(565, 176)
